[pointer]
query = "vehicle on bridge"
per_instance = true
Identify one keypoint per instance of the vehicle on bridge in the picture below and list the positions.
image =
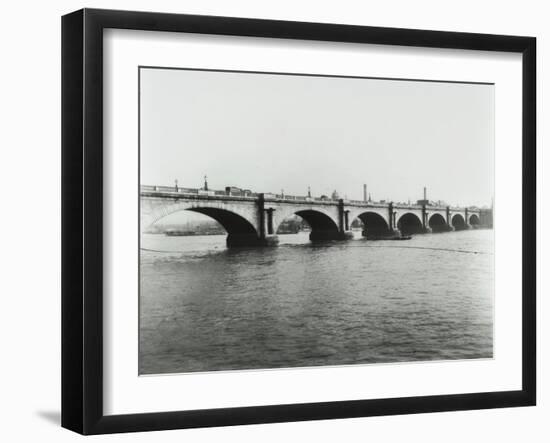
(237, 192)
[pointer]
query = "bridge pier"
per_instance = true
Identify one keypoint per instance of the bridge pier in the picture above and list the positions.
(317, 235)
(381, 234)
(248, 240)
(466, 225)
(343, 232)
(463, 227)
(442, 228)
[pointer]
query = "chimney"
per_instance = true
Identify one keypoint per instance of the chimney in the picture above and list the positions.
(365, 193)
(425, 193)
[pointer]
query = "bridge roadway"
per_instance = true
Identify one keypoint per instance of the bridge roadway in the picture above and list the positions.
(252, 219)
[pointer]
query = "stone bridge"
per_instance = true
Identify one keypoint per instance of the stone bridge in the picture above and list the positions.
(252, 219)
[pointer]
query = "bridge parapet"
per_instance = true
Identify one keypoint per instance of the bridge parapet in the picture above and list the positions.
(177, 190)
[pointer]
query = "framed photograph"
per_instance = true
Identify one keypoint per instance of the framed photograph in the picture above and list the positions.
(269, 221)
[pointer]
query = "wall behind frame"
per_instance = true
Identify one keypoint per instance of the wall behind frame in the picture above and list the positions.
(30, 227)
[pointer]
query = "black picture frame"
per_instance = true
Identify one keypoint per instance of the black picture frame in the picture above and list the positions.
(82, 218)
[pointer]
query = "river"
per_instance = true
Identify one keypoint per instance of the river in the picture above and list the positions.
(204, 307)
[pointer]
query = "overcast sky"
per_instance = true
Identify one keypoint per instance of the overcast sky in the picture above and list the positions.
(270, 132)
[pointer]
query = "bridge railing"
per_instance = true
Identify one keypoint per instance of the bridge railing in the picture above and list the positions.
(303, 198)
(292, 197)
(298, 198)
(148, 188)
(287, 197)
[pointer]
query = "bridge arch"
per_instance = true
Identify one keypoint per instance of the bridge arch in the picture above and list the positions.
(239, 221)
(437, 223)
(323, 227)
(458, 222)
(233, 223)
(409, 223)
(323, 224)
(474, 220)
(374, 224)
(318, 221)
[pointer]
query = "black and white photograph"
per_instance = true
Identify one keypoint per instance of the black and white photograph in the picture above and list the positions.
(293, 220)
(324, 221)
(276, 221)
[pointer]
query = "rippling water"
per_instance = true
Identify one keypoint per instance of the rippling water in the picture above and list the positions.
(204, 307)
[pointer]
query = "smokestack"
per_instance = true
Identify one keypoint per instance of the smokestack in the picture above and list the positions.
(425, 193)
(364, 193)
